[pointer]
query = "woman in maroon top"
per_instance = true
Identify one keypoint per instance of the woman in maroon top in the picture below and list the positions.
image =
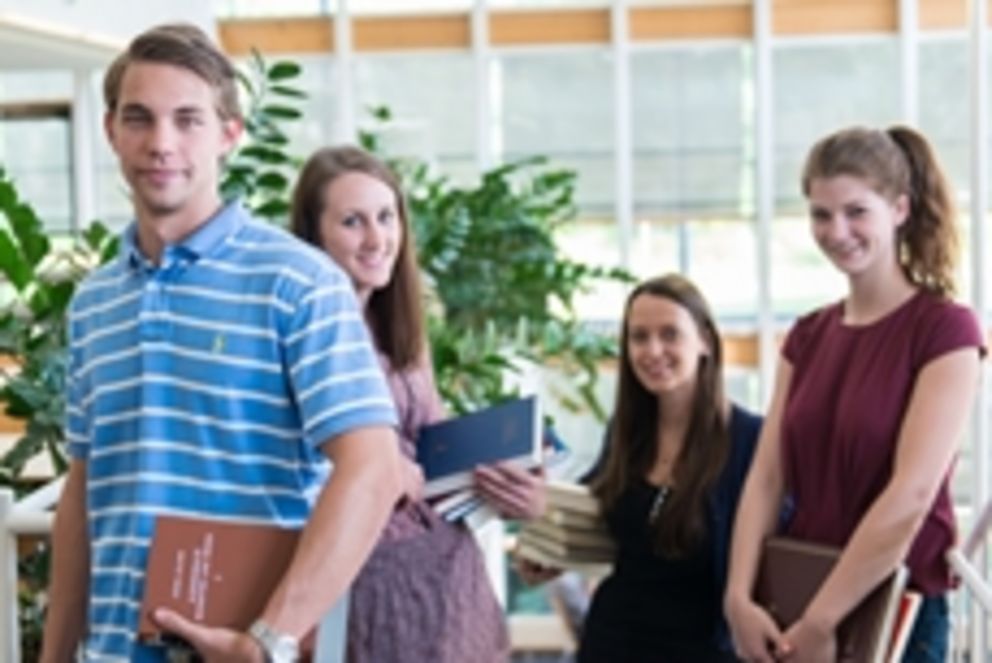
(423, 594)
(871, 396)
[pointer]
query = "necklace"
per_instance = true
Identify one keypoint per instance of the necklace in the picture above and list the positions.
(659, 501)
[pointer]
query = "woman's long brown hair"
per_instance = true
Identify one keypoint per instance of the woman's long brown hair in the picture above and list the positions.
(633, 446)
(395, 313)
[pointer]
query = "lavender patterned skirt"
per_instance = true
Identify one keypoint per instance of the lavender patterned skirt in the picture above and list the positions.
(423, 596)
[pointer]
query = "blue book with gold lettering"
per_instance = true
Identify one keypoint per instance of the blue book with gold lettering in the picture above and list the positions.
(449, 450)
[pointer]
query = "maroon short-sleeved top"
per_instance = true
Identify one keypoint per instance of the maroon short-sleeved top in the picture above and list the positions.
(850, 388)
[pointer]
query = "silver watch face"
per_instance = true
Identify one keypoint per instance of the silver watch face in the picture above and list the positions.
(279, 647)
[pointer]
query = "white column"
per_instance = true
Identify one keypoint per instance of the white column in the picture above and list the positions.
(491, 537)
(623, 148)
(10, 636)
(483, 86)
(909, 63)
(764, 187)
(83, 164)
(346, 127)
(979, 141)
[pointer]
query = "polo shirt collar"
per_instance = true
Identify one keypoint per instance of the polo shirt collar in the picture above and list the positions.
(203, 241)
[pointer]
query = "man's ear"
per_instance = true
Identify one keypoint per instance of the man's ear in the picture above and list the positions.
(108, 126)
(231, 130)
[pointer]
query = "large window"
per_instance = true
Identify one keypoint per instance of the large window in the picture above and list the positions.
(944, 105)
(560, 104)
(35, 146)
(320, 111)
(823, 87)
(819, 88)
(690, 118)
(432, 99)
(35, 153)
(693, 170)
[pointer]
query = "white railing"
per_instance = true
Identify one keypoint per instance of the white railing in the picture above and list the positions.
(32, 515)
(969, 563)
(29, 515)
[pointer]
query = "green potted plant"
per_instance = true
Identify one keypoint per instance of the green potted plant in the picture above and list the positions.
(505, 292)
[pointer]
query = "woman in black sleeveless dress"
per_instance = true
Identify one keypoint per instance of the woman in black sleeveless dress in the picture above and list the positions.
(672, 467)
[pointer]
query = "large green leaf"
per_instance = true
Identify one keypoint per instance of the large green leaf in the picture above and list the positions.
(272, 180)
(286, 91)
(95, 235)
(272, 209)
(284, 70)
(281, 112)
(264, 154)
(18, 271)
(8, 194)
(29, 232)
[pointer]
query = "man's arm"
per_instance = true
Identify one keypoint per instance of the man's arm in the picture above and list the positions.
(349, 516)
(346, 522)
(69, 587)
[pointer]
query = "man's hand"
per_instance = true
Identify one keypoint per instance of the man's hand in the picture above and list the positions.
(215, 645)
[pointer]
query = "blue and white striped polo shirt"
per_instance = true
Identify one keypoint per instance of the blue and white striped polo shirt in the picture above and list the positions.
(204, 386)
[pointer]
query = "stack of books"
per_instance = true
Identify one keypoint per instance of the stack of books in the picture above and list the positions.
(571, 534)
(509, 433)
(465, 505)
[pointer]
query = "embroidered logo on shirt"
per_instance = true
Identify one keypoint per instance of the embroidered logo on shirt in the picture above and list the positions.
(220, 341)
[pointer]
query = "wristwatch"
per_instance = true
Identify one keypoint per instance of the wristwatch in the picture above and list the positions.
(277, 647)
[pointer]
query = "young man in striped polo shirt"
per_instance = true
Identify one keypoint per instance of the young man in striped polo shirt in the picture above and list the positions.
(218, 368)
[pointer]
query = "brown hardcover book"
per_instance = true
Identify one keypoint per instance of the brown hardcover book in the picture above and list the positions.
(213, 572)
(789, 575)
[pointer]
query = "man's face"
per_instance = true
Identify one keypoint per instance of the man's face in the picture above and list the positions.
(169, 139)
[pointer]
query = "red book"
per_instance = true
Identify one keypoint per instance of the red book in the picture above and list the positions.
(909, 606)
(213, 572)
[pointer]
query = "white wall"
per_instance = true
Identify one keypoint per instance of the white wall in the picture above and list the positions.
(120, 19)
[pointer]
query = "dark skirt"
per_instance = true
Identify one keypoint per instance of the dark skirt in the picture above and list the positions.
(629, 624)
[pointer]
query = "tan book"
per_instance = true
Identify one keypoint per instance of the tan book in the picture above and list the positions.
(525, 550)
(213, 572)
(791, 572)
(603, 552)
(570, 536)
(569, 496)
(572, 519)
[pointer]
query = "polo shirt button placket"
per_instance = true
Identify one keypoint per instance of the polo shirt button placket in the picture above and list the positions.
(152, 305)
